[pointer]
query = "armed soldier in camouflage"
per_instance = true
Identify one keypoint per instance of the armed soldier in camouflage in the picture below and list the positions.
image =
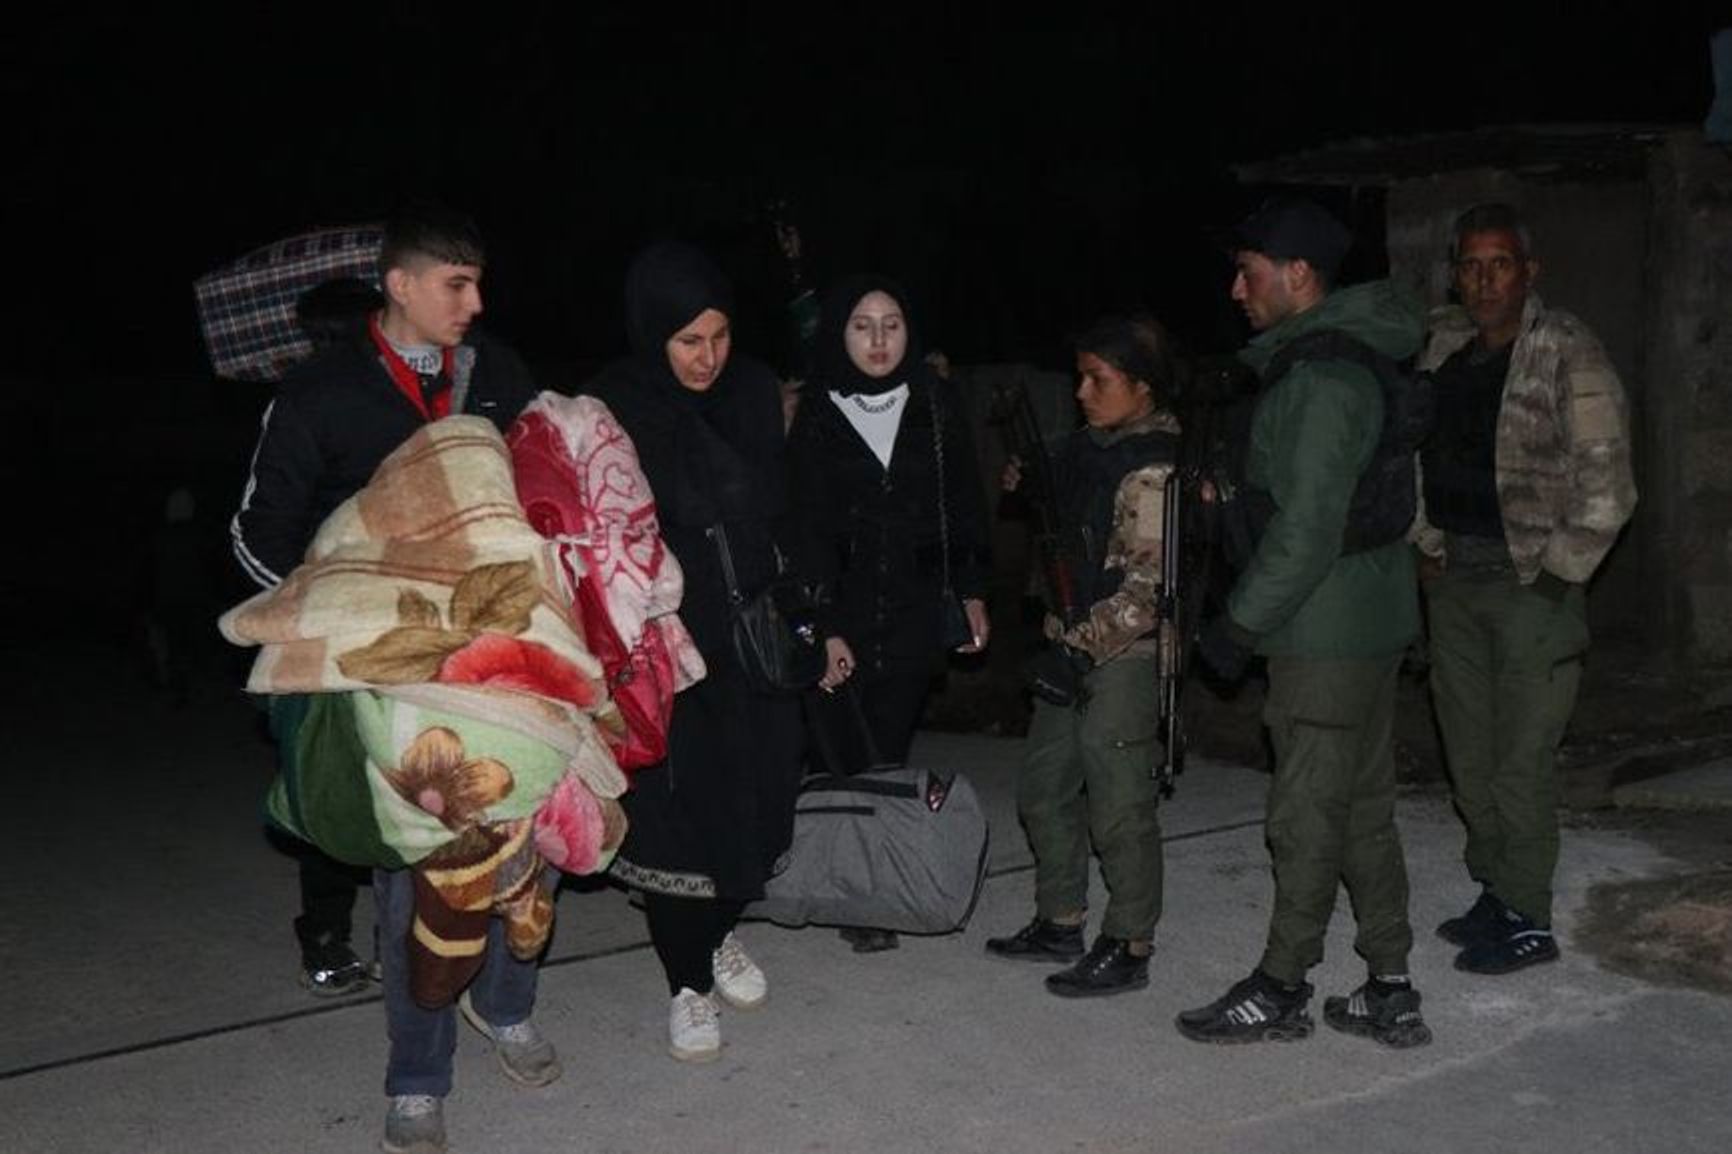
(1088, 771)
(1525, 485)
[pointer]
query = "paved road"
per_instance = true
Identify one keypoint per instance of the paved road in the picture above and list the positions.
(146, 928)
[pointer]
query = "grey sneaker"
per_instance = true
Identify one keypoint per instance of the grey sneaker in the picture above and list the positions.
(414, 1124)
(526, 1057)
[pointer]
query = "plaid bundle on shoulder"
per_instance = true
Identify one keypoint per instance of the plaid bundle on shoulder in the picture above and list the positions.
(247, 310)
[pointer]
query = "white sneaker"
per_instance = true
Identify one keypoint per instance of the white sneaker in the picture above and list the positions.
(694, 1029)
(739, 980)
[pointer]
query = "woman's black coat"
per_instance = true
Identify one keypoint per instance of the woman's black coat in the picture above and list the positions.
(713, 818)
(870, 535)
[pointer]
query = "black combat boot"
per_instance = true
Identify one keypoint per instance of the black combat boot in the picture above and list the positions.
(1108, 968)
(1039, 941)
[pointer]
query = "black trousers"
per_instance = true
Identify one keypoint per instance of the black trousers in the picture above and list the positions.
(327, 897)
(886, 705)
(684, 932)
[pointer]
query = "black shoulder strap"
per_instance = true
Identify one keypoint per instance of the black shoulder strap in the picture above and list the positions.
(1327, 345)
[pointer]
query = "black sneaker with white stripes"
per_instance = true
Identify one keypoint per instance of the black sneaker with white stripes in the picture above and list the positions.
(1516, 945)
(1481, 921)
(1386, 1012)
(1256, 1009)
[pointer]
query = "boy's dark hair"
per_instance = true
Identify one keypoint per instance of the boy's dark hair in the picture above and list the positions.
(332, 312)
(1137, 346)
(431, 231)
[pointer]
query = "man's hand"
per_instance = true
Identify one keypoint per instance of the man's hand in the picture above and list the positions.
(1012, 475)
(1226, 647)
(1552, 587)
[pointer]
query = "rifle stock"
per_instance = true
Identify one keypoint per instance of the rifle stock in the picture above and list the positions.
(1023, 441)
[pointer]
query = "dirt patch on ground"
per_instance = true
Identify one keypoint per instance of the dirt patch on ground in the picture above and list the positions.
(1673, 931)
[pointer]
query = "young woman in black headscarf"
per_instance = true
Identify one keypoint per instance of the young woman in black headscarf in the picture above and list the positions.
(709, 822)
(893, 521)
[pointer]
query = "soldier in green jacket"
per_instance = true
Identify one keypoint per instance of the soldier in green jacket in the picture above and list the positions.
(1332, 627)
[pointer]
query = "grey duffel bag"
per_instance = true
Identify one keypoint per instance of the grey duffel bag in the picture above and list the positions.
(893, 849)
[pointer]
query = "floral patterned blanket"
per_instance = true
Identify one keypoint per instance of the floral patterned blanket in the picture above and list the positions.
(452, 722)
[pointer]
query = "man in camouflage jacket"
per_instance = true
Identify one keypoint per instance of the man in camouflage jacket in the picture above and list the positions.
(1524, 486)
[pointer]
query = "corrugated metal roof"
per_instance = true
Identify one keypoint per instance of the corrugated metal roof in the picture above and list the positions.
(1614, 152)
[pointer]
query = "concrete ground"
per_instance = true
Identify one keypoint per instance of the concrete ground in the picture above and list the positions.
(147, 935)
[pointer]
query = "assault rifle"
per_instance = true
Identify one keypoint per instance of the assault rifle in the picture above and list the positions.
(1014, 414)
(1190, 542)
(1175, 632)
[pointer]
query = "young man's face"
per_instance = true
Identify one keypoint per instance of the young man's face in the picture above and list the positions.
(1262, 288)
(435, 302)
(1493, 277)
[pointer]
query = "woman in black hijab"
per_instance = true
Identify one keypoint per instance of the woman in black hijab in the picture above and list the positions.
(709, 822)
(891, 512)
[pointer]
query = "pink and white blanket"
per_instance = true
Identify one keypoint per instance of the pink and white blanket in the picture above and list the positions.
(581, 486)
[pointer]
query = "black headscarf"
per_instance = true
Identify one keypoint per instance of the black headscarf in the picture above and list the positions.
(698, 448)
(836, 370)
(666, 287)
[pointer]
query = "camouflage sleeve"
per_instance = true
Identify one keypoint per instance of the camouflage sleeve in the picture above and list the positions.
(1603, 494)
(1134, 547)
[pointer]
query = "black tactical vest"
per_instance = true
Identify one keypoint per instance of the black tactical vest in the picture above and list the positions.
(1087, 476)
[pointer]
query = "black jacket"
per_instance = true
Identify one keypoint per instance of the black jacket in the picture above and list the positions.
(719, 811)
(709, 459)
(334, 419)
(871, 535)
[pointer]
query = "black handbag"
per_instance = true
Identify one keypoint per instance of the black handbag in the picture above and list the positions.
(954, 630)
(775, 633)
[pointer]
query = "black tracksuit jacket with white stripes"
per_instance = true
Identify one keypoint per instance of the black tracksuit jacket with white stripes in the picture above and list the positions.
(334, 419)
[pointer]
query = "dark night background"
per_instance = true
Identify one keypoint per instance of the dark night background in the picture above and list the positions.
(1020, 174)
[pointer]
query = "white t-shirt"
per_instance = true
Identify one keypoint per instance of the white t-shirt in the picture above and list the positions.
(875, 418)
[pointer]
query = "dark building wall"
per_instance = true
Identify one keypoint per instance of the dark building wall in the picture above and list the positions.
(1688, 435)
